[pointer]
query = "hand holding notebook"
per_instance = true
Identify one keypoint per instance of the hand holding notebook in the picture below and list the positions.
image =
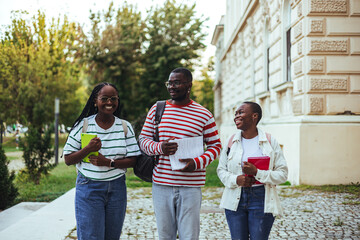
(85, 140)
(261, 163)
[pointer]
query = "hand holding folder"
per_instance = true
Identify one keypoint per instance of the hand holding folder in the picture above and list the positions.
(85, 140)
(261, 163)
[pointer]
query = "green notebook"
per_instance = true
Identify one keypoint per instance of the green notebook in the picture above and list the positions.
(85, 139)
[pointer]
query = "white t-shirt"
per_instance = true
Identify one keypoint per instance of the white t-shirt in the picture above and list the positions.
(251, 148)
(114, 145)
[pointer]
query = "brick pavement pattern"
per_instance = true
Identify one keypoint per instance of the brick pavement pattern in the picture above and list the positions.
(308, 215)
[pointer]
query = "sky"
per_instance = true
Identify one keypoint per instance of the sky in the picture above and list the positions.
(78, 10)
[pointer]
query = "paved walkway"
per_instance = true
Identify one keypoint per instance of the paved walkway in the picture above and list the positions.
(17, 164)
(308, 215)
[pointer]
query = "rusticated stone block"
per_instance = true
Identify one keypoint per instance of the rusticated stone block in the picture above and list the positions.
(298, 68)
(332, 46)
(299, 48)
(317, 65)
(317, 26)
(297, 106)
(316, 105)
(299, 10)
(299, 85)
(328, 84)
(329, 6)
(298, 30)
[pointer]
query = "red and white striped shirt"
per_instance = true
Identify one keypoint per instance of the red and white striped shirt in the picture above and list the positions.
(190, 120)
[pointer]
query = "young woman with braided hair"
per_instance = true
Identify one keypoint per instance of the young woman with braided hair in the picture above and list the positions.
(100, 200)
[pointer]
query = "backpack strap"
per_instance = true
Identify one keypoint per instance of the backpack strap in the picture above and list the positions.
(230, 144)
(160, 107)
(124, 125)
(268, 136)
(85, 126)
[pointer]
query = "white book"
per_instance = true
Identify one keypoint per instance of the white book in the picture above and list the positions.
(187, 148)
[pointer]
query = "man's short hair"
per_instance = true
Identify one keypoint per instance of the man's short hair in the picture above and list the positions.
(256, 109)
(187, 74)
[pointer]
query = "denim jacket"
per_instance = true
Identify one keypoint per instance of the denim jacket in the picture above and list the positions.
(230, 167)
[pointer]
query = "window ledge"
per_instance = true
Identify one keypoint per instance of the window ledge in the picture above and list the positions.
(264, 94)
(283, 86)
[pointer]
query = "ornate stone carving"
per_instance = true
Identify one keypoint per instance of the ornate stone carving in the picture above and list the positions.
(316, 105)
(328, 84)
(329, 6)
(298, 30)
(298, 68)
(317, 26)
(299, 48)
(317, 65)
(299, 85)
(265, 11)
(299, 10)
(250, 22)
(297, 106)
(339, 46)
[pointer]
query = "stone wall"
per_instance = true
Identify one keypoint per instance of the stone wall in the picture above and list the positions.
(324, 83)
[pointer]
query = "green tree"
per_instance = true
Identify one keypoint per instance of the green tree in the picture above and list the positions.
(113, 53)
(175, 38)
(41, 62)
(8, 191)
(202, 90)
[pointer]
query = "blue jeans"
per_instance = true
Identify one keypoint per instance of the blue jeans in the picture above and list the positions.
(100, 208)
(249, 218)
(177, 209)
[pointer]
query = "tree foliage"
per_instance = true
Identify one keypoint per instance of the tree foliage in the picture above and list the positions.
(202, 89)
(175, 38)
(113, 53)
(138, 55)
(37, 153)
(38, 64)
(8, 192)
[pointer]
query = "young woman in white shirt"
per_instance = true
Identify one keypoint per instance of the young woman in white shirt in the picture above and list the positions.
(100, 200)
(250, 198)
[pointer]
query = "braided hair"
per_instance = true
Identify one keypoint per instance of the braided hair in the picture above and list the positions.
(90, 108)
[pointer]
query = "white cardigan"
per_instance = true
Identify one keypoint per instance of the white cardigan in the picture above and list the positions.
(230, 167)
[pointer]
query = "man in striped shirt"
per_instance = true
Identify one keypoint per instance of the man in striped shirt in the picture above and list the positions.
(177, 193)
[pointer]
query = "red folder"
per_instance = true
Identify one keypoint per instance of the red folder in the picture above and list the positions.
(261, 163)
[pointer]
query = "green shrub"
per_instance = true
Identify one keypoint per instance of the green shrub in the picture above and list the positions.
(8, 192)
(37, 152)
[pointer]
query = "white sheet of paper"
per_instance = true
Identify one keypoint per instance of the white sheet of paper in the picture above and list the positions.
(187, 148)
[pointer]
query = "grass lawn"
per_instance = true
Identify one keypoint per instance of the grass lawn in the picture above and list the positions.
(353, 188)
(60, 180)
(9, 144)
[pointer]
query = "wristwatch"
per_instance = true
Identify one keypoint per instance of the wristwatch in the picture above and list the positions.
(112, 163)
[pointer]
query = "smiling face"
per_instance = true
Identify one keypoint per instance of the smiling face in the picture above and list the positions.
(245, 118)
(107, 100)
(178, 87)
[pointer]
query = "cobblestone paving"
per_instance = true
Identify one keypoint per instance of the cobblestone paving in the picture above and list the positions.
(308, 215)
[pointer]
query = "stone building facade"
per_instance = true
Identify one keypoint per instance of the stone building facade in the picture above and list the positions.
(300, 60)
